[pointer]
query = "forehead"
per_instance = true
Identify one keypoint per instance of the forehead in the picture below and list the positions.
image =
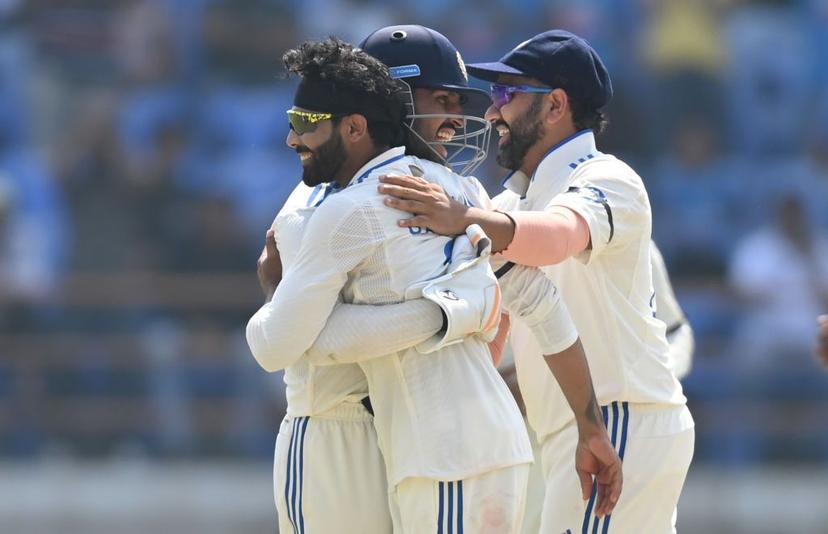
(432, 91)
(512, 79)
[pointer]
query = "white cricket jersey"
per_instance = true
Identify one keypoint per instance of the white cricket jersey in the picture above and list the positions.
(607, 289)
(311, 390)
(446, 415)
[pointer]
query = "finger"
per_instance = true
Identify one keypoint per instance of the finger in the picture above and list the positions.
(405, 180)
(418, 221)
(586, 483)
(414, 207)
(600, 500)
(270, 243)
(403, 192)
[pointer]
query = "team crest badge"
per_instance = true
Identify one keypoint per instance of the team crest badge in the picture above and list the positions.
(462, 66)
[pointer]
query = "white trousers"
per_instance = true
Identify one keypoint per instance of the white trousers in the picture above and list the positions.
(656, 445)
(329, 475)
(491, 503)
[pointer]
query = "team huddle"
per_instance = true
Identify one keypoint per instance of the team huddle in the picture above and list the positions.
(392, 282)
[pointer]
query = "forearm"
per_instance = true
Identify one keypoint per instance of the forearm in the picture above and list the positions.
(546, 237)
(572, 373)
(498, 226)
(359, 332)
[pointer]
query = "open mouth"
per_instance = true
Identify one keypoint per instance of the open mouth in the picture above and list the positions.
(503, 132)
(304, 157)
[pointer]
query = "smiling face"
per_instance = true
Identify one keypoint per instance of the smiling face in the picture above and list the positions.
(321, 151)
(437, 130)
(519, 123)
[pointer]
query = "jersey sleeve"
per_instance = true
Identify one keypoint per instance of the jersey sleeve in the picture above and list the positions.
(359, 332)
(679, 332)
(527, 293)
(613, 202)
(339, 236)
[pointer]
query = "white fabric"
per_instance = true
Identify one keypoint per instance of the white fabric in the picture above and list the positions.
(657, 444)
(490, 503)
(446, 415)
(679, 331)
(329, 475)
(607, 290)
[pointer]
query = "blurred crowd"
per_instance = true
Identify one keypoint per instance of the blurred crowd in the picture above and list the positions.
(143, 139)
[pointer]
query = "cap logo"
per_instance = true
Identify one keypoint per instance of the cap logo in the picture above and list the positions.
(462, 66)
(404, 71)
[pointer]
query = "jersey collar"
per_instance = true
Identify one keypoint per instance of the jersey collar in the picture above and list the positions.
(556, 165)
(389, 156)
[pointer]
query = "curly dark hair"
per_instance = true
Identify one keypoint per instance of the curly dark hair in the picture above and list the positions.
(350, 70)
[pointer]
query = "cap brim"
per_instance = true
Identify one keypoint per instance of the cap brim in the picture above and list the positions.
(490, 71)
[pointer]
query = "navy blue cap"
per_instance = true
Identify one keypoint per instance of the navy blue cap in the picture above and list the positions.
(558, 59)
(423, 57)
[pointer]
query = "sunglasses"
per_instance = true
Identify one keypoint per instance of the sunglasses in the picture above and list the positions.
(503, 94)
(303, 122)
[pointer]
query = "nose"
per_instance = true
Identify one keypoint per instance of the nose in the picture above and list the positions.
(292, 140)
(492, 114)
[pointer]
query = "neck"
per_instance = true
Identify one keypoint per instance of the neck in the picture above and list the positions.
(538, 152)
(355, 162)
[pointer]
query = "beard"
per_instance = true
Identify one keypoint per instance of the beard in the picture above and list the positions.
(325, 161)
(523, 134)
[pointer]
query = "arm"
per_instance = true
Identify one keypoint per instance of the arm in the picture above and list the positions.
(529, 294)
(679, 331)
(285, 327)
(597, 206)
(595, 455)
(516, 234)
(358, 332)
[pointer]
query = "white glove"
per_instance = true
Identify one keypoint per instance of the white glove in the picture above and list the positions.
(468, 293)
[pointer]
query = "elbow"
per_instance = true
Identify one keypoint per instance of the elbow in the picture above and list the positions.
(263, 352)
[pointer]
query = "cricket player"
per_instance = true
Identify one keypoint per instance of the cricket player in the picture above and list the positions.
(446, 423)
(585, 217)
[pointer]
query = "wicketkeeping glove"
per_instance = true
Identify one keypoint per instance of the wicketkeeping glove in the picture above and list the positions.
(468, 293)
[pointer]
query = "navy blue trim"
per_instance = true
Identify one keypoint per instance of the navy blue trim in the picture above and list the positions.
(624, 406)
(302, 475)
(563, 142)
(313, 195)
(672, 328)
(365, 174)
(602, 199)
(588, 513)
(440, 510)
(289, 478)
(503, 183)
(614, 424)
(451, 508)
(460, 507)
(500, 273)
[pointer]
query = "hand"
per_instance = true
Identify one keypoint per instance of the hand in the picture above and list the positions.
(821, 349)
(269, 266)
(596, 457)
(431, 206)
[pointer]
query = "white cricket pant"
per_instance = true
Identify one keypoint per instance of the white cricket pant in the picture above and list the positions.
(655, 443)
(491, 503)
(329, 475)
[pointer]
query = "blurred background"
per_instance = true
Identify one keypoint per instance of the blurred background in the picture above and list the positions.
(142, 158)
